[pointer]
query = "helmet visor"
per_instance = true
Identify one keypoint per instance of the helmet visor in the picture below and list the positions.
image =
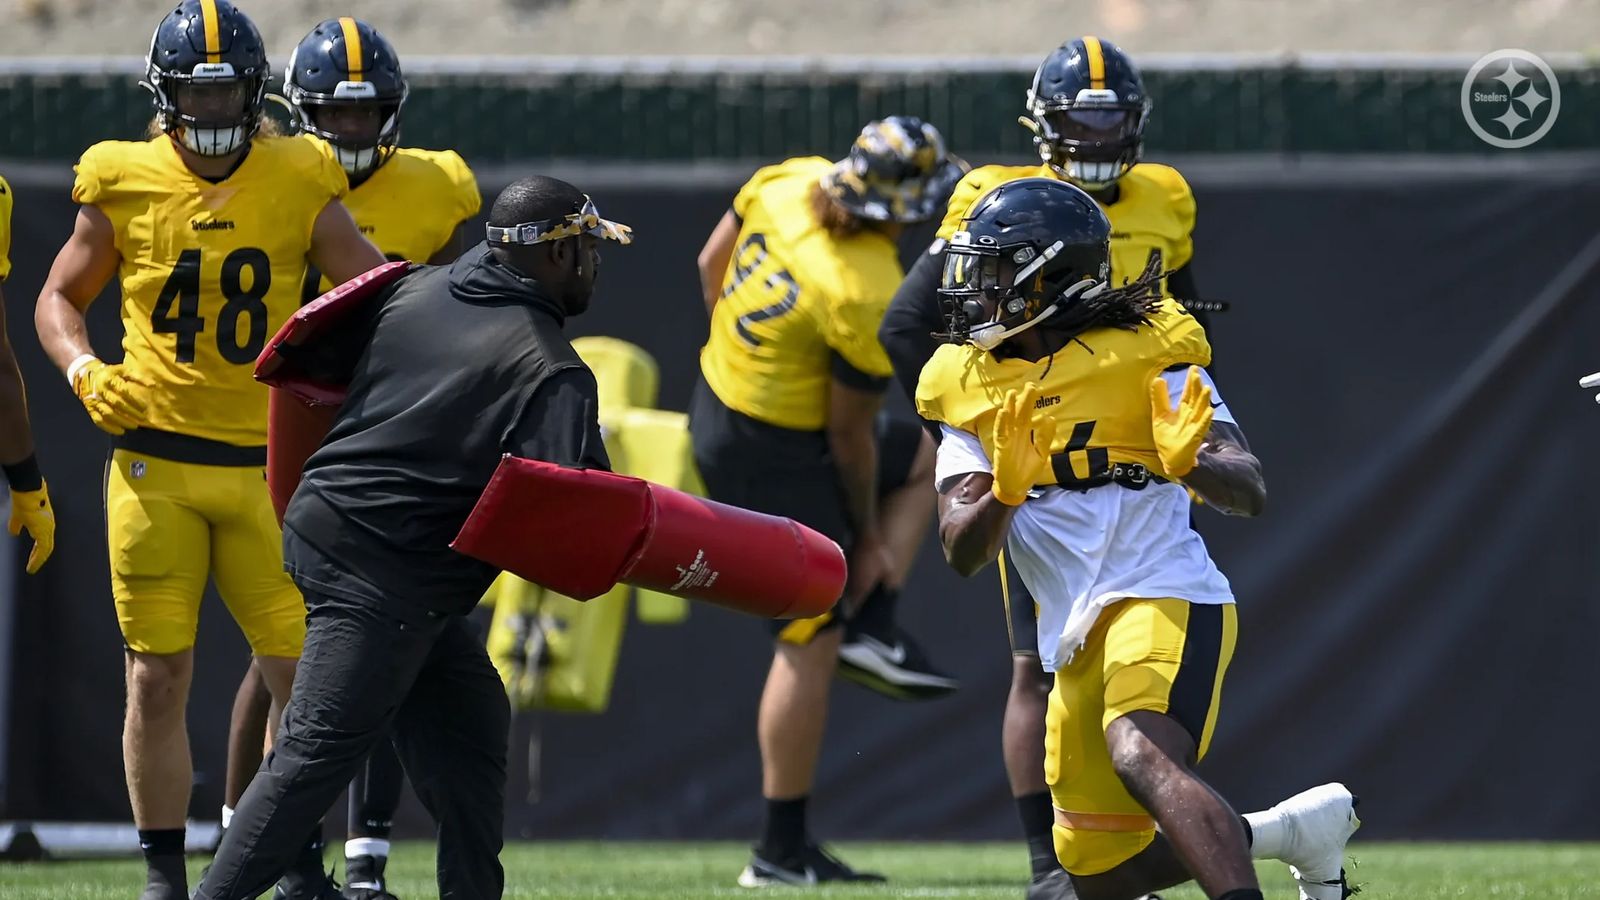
(968, 273)
(1093, 125)
(212, 101)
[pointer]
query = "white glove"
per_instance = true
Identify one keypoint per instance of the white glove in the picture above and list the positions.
(1591, 382)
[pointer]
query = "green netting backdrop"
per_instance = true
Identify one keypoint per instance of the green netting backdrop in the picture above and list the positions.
(697, 115)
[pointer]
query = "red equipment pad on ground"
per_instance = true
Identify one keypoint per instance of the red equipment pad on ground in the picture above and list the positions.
(581, 531)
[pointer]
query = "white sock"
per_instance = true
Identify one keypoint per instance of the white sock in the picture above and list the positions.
(1269, 834)
(366, 847)
(227, 815)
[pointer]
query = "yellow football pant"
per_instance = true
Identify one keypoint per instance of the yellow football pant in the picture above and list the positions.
(169, 525)
(1166, 656)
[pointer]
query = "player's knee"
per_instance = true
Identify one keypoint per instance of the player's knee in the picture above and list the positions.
(274, 675)
(1135, 758)
(1092, 855)
(1029, 679)
(158, 685)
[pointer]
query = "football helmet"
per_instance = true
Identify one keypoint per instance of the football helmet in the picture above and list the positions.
(344, 85)
(898, 170)
(1087, 109)
(208, 71)
(1029, 251)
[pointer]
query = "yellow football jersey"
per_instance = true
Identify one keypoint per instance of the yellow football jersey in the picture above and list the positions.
(793, 296)
(411, 206)
(1097, 388)
(5, 229)
(209, 270)
(1154, 211)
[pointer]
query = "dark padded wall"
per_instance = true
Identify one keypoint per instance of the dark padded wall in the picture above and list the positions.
(1417, 605)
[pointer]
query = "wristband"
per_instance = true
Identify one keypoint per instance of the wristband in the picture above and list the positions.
(24, 476)
(76, 366)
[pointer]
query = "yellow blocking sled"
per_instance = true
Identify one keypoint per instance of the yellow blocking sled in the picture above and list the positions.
(553, 652)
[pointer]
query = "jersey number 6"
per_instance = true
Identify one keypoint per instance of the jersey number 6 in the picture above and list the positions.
(749, 256)
(183, 290)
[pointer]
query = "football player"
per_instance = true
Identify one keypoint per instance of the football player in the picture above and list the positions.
(345, 86)
(30, 498)
(1087, 109)
(208, 226)
(785, 420)
(1073, 414)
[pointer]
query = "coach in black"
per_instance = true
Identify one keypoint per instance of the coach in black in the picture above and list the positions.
(463, 364)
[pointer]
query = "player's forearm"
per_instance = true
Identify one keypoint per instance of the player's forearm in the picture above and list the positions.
(1229, 479)
(855, 456)
(973, 531)
(62, 330)
(711, 282)
(16, 439)
(714, 258)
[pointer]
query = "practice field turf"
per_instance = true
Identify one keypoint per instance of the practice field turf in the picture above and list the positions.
(628, 870)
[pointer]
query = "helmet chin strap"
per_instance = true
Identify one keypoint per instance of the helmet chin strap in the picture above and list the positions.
(991, 335)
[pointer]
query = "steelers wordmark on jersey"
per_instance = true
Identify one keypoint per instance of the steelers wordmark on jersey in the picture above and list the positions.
(208, 270)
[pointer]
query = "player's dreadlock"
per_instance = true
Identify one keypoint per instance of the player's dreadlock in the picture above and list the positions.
(1125, 307)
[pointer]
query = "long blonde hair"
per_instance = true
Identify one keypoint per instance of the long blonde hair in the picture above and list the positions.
(831, 215)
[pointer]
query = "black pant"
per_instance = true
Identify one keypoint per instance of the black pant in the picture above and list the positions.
(365, 671)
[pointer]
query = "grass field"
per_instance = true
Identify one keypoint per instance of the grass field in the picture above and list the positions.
(629, 870)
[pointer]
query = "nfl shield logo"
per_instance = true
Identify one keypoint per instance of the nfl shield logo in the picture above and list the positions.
(137, 469)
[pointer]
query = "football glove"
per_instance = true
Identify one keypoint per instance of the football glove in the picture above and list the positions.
(1180, 431)
(1591, 382)
(31, 510)
(1022, 444)
(114, 397)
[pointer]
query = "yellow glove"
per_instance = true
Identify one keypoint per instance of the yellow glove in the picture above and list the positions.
(1022, 443)
(115, 398)
(31, 510)
(1180, 432)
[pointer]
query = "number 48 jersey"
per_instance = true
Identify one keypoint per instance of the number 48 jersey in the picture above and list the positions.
(209, 270)
(797, 303)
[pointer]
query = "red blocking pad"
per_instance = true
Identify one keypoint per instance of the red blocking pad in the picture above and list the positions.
(581, 531)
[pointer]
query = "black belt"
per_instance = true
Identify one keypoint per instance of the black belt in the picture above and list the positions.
(1134, 476)
(186, 448)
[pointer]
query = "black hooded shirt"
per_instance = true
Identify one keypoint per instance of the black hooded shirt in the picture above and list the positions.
(463, 364)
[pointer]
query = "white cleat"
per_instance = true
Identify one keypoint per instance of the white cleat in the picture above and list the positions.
(1320, 822)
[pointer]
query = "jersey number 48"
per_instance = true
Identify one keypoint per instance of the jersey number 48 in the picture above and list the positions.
(182, 291)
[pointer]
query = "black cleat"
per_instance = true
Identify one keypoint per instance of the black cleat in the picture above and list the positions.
(812, 865)
(1055, 885)
(365, 879)
(892, 664)
(299, 887)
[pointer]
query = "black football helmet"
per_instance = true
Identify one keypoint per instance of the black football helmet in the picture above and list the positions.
(1087, 110)
(1028, 252)
(208, 71)
(898, 170)
(346, 64)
